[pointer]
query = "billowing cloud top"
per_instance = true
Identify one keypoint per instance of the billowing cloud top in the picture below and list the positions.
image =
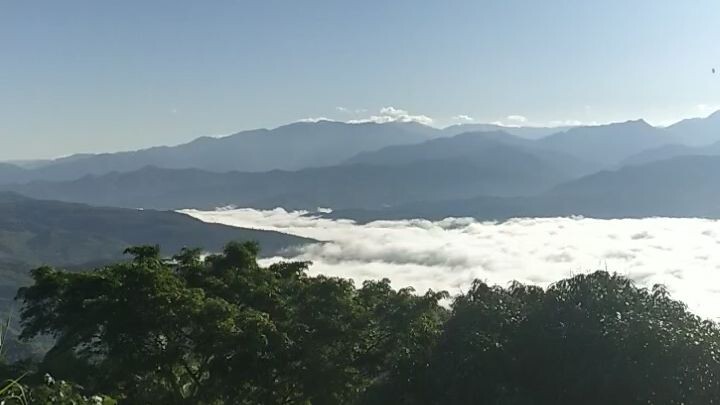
(449, 254)
(463, 118)
(392, 114)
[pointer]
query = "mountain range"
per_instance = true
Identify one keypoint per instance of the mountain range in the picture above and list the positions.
(697, 131)
(681, 187)
(466, 165)
(304, 145)
(519, 131)
(382, 168)
(290, 147)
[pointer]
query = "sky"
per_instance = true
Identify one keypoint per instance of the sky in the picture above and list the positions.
(92, 76)
(449, 254)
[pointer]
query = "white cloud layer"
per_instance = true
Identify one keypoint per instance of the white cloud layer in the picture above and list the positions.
(571, 123)
(463, 118)
(449, 254)
(315, 119)
(518, 119)
(514, 121)
(392, 114)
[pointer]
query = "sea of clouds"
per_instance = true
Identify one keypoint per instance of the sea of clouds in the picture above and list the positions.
(681, 253)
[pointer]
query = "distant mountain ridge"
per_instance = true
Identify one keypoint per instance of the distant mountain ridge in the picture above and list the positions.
(383, 168)
(503, 171)
(304, 145)
(608, 144)
(681, 187)
(672, 151)
(697, 131)
(488, 164)
(289, 147)
(475, 145)
(519, 131)
(592, 147)
(463, 144)
(326, 143)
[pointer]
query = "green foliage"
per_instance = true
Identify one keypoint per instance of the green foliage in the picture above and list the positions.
(49, 392)
(590, 339)
(225, 330)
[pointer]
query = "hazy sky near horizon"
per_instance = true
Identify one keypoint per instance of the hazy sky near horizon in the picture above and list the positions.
(88, 75)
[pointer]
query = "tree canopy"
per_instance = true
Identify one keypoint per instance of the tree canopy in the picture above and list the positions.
(590, 339)
(225, 330)
(222, 329)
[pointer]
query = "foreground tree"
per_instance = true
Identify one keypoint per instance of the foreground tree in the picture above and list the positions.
(590, 339)
(49, 391)
(225, 330)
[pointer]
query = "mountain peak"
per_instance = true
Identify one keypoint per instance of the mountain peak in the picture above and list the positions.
(634, 123)
(714, 116)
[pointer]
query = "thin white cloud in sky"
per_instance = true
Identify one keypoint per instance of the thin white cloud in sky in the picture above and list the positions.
(315, 119)
(518, 119)
(570, 123)
(707, 109)
(392, 114)
(449, 254)
(514, 121)
(463, 118)
(353, 111)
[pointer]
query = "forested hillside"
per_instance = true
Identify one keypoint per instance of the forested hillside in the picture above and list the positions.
(79, 237)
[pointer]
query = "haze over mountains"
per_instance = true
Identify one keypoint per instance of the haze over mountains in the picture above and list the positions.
(458, 167)
(609, 144)
(290, 147)
(403, 169)
(519, 131)
(680, 187)
(697, 131)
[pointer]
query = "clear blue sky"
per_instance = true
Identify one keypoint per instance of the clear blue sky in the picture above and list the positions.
(97, 75)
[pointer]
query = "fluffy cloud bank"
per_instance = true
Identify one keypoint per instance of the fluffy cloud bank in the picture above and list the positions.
(449, 254)
(315, 119)
(392, 114)
(463, 118)
(517, 119)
